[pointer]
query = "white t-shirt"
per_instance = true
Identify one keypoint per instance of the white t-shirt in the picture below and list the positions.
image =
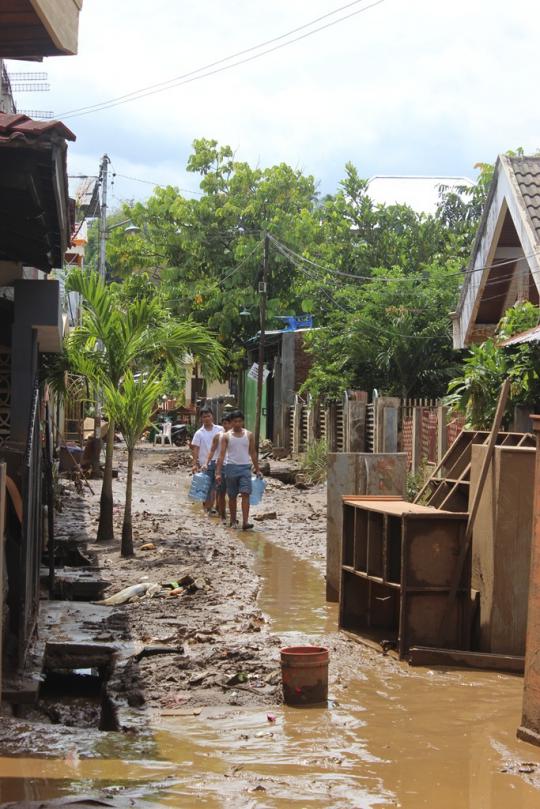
(203, 439)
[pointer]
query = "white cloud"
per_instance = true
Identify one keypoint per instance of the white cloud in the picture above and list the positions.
(407, 87)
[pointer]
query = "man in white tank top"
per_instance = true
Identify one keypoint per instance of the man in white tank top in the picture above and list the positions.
(239, 447)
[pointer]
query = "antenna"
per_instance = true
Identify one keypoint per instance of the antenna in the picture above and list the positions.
(44, 115)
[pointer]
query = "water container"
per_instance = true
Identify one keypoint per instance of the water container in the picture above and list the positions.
(258, 485)
(200, 487)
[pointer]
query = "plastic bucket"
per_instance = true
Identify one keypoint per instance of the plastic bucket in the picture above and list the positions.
(304, 672)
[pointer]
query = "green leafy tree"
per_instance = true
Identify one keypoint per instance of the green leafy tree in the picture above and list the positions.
(207, 252)
(475, 391)
(139, 335)
(130, 406)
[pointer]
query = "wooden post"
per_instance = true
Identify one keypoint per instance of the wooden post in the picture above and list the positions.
(529, 730)
(442, 434)
(297, 428)
(310, 418)
(416, 439)
(473, 509)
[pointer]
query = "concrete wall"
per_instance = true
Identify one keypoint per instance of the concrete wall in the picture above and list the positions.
(356, 473)
(502, 546)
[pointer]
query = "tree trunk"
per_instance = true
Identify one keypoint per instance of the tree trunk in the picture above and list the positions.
(127, 532)
(105, 531)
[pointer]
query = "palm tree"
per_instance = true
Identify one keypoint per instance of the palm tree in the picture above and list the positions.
(113, 339)
(131, 407)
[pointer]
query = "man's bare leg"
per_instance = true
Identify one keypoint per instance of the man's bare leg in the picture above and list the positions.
(221, 505)
(232, 510)
(245, 510)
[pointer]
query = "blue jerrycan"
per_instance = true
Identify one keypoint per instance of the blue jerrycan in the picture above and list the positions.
(258, 485)
(200, 487)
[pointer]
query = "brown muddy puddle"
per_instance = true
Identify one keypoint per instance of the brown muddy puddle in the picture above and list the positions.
(392, 736)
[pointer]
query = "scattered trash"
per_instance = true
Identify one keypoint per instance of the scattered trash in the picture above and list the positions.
(271, 717)
(125, 595)
(266, 515)
(239, 677)
(197, 679)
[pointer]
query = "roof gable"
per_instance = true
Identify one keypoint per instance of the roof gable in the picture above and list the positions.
(505, 259)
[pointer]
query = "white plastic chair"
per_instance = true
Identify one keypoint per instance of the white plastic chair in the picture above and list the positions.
(165, 434)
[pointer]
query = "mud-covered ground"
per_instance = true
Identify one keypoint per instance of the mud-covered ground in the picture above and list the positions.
(206, 720)
(227, 653)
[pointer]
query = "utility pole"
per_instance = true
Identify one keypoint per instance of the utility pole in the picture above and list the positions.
(103, 174)
(262, 334)
(102, 269)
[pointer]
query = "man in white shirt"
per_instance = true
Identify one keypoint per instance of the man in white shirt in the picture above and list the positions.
(204, 457)
(221, 487)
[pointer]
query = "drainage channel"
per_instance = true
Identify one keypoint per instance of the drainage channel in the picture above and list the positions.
(391, 736)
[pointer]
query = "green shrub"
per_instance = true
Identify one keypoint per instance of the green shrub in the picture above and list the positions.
(314, 460)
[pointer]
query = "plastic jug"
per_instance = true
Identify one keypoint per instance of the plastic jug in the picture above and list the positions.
(200, 487)
(258, 485)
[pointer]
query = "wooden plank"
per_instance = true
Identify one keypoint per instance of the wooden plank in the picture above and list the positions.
(473, 510)
(398, 507)
(427, 656)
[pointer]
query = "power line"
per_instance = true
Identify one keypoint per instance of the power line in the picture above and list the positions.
(389, 279)
(370, 326)
(157, 185)
(195, 75)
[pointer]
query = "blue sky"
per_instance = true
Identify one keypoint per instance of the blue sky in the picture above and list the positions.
(408, 87)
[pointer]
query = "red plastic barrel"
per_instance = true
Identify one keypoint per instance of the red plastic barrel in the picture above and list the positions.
(304, 671)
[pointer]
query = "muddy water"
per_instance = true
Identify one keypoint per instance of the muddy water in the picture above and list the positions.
(392, 736)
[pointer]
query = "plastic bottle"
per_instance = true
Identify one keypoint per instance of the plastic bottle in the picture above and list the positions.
(258, 485)
(200, 487)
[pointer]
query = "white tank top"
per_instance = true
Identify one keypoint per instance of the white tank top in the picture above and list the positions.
(239, 449)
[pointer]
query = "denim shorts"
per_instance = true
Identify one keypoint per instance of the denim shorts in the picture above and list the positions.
(210, 472)
(238, 479)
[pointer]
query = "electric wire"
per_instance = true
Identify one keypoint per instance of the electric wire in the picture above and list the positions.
(196, 75)
(389, 279)
(370, 326)
(157, 185)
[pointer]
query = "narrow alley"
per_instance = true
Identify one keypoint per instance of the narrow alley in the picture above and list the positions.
(205, 726)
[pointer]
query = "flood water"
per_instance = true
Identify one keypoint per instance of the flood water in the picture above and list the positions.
(392, 736)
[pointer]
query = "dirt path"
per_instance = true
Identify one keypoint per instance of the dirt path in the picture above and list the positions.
(230, 655)
(391, 736)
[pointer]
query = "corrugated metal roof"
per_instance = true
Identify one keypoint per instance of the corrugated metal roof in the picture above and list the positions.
(16, 125)
(529, 336)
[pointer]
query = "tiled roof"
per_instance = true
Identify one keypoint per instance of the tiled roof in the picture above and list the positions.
(14, 126)
(527, 174)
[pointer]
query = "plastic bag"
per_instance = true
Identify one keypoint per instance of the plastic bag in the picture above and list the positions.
(258, 485)
(200, 487)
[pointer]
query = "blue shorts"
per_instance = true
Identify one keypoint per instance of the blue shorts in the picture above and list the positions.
(238, 479)
(210, 472)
